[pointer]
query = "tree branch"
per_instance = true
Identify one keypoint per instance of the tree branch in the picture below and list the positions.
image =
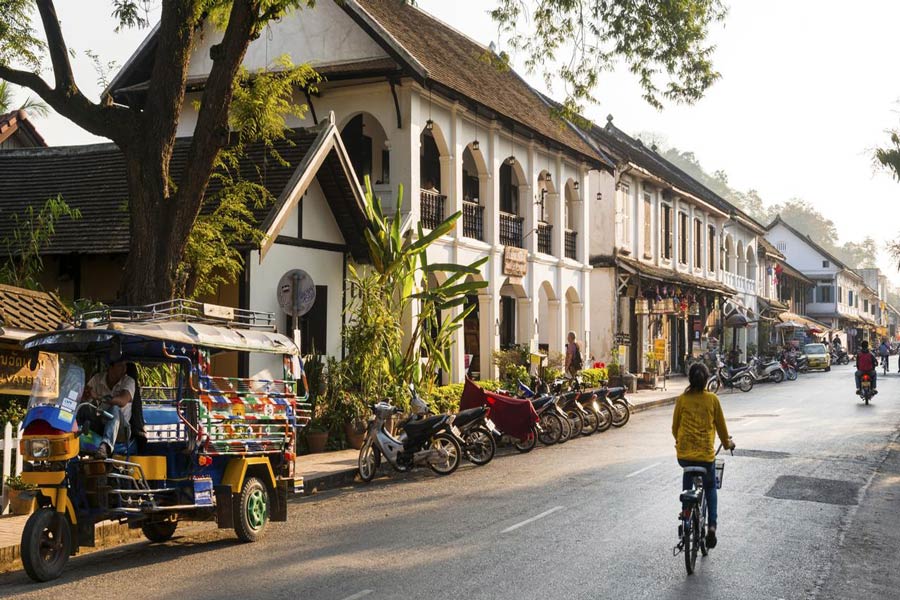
(56, 45)
(211, 131)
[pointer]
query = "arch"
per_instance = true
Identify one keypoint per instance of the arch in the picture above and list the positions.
(574, 313)
(572, 216)
(728, 263)
(368, 145)
(433, 172)
(548, 333)
(751, 264)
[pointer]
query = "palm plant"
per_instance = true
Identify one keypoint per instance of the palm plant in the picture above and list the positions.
(32, 105)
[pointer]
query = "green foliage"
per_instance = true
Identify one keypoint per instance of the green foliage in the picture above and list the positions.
(259, 110)
(31, 105)
(15, 482)
(593, 378)
(19, 43)
(445, 398)
(663, 43)
(512, 364)
(12, 408)
(32, 231)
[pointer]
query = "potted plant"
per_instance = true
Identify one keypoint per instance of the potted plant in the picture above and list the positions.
(21, 495)
(650, 374)
(317, 435)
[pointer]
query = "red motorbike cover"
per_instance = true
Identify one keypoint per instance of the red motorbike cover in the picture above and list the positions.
(512, 416)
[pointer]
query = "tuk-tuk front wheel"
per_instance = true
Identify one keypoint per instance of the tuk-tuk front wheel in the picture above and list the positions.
(46, 544)
(159, 531)
(253, 511)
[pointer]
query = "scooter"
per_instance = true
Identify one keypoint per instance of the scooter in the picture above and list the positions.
(429, 441)
(739, 377)
(478, 443)
(840, 357)
(554, 423)
(619, 404)
(790, 372)
(766, 370)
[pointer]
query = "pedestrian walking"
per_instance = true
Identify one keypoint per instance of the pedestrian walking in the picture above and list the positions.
(574, 360)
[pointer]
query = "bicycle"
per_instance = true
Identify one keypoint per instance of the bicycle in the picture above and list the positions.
(692, 530)
(884, 363)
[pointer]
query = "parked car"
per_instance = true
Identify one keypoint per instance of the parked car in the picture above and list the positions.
(818, 356)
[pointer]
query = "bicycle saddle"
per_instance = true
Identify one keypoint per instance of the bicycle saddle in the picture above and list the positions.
(690, 496)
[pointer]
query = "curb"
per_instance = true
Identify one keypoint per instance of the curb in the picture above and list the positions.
(337, 479)
(653, 404)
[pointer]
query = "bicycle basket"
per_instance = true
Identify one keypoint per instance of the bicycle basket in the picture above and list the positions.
(720, 472)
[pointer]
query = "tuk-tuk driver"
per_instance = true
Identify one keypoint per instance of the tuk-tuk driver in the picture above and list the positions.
(115, 390)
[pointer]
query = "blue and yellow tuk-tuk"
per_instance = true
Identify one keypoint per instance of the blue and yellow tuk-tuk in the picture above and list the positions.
(197, 446)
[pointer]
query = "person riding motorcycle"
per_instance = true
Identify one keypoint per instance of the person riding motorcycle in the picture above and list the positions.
(865, 364)
(697, 418)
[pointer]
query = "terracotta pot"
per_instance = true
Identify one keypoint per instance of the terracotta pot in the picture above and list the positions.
(21, 502)
(316, 440)
(355, 438)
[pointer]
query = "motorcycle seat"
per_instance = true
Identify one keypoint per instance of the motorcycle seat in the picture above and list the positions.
(422, 426)
(690, 496)
(541, 402)
(615, 393)
(464, 417)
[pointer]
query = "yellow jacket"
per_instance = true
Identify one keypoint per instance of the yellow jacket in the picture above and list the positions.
(695, 422)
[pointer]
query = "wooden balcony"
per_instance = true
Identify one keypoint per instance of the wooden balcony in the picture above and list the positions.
(473, 220)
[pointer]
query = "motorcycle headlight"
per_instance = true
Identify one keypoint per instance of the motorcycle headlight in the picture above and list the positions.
(39, 448)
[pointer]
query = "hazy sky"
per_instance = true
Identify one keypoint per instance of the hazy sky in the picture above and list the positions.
(808, 89)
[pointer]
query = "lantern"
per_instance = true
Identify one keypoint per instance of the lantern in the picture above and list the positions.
(694, 309)
(641, 306)
(668, 306)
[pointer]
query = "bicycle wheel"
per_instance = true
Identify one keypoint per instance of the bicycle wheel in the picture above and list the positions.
(692, 543)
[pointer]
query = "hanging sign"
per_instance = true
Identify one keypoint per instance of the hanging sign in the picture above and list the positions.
(17, 377)
(659, 349)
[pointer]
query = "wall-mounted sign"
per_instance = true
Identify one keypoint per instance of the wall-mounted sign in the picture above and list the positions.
(16, 376)
(515, 261)
(623, 339)
(296, 292)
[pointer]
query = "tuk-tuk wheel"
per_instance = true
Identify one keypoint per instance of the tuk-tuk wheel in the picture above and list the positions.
(253, 511)
(46, 544)
(159, 531)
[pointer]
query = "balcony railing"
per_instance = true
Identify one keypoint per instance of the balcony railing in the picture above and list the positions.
(545, 238)
(432, 209)
(473, 220)
(511, 230)
(571, 244)
(739, 283)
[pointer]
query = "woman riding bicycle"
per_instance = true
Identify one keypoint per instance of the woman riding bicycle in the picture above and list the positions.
(697, 418)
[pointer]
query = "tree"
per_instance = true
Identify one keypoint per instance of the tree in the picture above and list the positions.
(162, 211)
(888, 158)
(663, 43)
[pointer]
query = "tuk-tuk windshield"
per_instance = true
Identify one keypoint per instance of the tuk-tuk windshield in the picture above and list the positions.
(59, 381)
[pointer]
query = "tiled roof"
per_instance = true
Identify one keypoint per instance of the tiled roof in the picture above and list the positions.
(92, 180)
(29, 310)
(455, 61)
(770, 249)
(634, 151)
(18, 121)
(654, 272)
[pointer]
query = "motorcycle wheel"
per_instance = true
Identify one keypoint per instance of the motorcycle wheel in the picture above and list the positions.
(480, 446)
(605, 418)
(792, 374)
(745, 383)
(622, 413)
(528, 444)
(566, 429)
(576, 421)
(46, 544)
(778, 376)
(448, 443)
(591, 423)
(551, 428)
(713, 385)
(369, 461)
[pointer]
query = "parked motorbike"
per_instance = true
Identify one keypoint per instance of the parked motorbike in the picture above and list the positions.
(429, 441)
(575, 403)
(840, 357)
(621, 407)
(790, 371)
(510, 421)
(731, 378)
(554, 423)
(766, 370)
(478, 444)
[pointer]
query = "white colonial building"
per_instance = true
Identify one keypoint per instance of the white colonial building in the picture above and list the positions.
(420, 108)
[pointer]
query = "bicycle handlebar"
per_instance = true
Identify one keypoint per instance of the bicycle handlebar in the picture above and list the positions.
(730, 439)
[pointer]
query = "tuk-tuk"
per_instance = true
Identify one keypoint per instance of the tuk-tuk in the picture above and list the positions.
(197, 447)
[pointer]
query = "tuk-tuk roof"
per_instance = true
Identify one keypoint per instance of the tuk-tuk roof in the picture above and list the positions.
(178, 332)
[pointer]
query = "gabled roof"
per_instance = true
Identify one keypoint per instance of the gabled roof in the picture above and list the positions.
(635, 152)
(808, 239)
(26, 312)
(432, 53)
(770, 249)
(92, 179)
(17, 123)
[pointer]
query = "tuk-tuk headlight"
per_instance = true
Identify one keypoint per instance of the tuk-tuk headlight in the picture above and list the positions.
(38, 448)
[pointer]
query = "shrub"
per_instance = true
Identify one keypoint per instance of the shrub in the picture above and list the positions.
(592, 378)
(445, 399)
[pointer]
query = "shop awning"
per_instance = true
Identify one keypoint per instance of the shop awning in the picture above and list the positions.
(669, 276)
(809, 324)
(772, 307)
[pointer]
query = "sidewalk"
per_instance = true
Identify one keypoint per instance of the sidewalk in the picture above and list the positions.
(320, 472)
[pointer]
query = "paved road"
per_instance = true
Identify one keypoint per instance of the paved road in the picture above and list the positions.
(594, 518)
